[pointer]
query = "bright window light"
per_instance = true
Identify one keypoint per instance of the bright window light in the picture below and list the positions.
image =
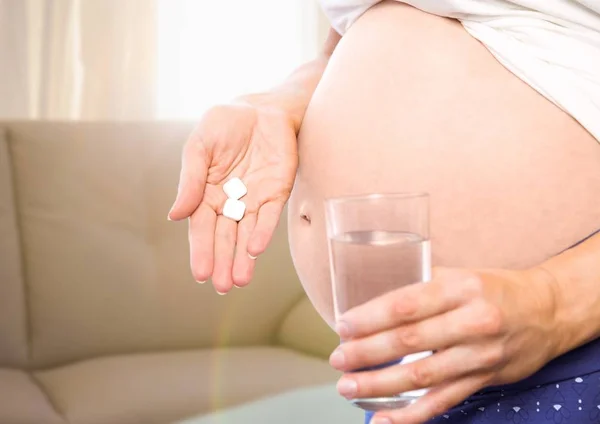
(212, 51)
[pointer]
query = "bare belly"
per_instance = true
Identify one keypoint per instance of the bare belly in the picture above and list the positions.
(411, 102)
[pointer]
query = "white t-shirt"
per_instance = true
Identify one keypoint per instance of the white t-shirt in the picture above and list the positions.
(553, 45)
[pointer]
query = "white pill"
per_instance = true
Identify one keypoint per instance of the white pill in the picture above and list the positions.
(235, 189)
(234, 209)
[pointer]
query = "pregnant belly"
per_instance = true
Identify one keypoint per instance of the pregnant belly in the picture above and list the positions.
(411, 102)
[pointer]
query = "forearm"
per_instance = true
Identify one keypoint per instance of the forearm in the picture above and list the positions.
(576, 274)
(294, 94)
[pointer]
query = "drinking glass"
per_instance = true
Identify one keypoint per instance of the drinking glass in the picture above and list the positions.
(378, 243)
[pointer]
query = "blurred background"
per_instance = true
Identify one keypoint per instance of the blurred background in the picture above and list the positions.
(100, 319)
(146, 59)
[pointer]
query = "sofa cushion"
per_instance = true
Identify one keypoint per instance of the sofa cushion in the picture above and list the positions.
(308, 405)
(23, 402)
(13, 319)
(107, 274)
(164, 387)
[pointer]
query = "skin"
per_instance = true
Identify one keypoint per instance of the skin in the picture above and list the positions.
(258, 146)
(513, 180)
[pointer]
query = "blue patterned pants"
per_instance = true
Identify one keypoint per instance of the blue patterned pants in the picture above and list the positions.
(572, 401)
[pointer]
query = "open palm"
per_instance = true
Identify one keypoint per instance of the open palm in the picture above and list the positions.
(259, 147)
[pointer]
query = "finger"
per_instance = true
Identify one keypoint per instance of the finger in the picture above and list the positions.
(407, 304)
(201, 235)
(225, 237)
(435, 403)
(192, 180)
(267, 221)
(243, 265)
(464, 324)
(443, 366)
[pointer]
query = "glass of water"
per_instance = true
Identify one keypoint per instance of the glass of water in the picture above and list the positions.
(378, 243)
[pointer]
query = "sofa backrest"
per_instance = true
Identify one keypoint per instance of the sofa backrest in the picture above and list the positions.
(104, 272)
(13, 314)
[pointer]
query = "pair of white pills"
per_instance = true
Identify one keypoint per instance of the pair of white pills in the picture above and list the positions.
(234, 208)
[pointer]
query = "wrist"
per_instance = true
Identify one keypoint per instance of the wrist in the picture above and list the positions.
(549, 292)
(575, 307)
(285, 104)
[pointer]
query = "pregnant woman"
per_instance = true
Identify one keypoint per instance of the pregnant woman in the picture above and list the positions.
(493, 108)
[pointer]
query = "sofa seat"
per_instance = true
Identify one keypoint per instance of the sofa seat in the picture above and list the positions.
(165, 387)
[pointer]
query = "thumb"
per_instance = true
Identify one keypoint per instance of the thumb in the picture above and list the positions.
(192, 181)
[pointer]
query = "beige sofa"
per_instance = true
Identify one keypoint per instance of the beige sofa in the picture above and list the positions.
(100, 320)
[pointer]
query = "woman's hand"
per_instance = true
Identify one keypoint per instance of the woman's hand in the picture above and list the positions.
(256, 144)
(486, 327)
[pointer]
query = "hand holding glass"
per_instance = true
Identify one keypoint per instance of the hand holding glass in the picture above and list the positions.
(378, 243)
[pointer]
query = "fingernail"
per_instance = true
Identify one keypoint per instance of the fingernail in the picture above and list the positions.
(347, 388)
(343, 330)
(252, 257)
(170, 212)
(381, 420)
(337, 358)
